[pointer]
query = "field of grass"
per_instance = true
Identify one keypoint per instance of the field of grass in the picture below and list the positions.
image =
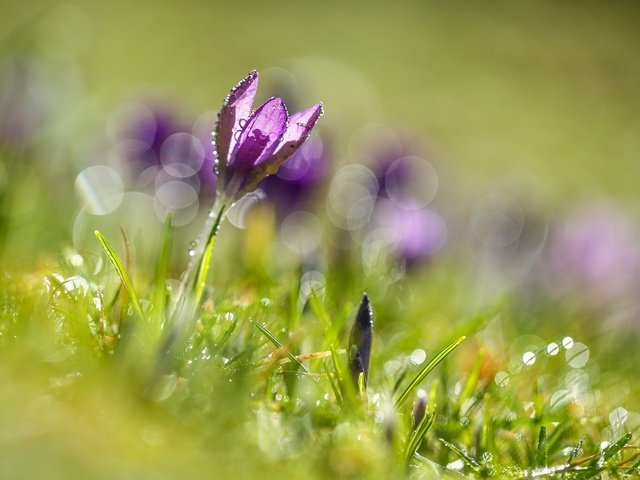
(442, 281)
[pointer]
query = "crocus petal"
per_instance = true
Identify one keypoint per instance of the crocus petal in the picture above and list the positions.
(260, 136)
(236, 107)
(300, 125)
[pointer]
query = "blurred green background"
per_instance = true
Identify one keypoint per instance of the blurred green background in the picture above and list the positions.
(537, 102)
(541, 89)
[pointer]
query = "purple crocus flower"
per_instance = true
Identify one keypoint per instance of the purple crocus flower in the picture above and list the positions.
(251, 145)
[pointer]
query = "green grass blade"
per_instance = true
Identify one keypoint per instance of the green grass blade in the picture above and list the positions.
(614, 448)
(472, 379)
(318, 308)
(122, 273)
(426, 369)
(348, 389)
(332, 383)
(541, 451)
(576, 450)
(418, 433)
(468, 459)
(162, 269)
(279, 344)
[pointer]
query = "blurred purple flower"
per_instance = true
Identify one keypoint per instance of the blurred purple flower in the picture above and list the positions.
(415, 235)
(24, 100)
(144, 133)
(298, 177)
(155, 140)
(406, 185)
(596, 252)
(251, 145)
(388, 170)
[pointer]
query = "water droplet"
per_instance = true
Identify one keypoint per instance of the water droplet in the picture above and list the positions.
(618, 417)
(266, 302)
(418, 356)
(559, 398)
(192, 248)
(553, 349)
(456, 465)
(529, 358)
(567, 342)
(242, 122)
(502, 379)
(464, 421)
(578, 356)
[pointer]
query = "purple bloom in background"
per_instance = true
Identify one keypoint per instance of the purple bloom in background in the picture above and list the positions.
(596, 252)
(298, 177)
(157, 146)
(251, 145)
(407, 184)
(25, 100)
(389, 171)
(143, 131)
(415, 234)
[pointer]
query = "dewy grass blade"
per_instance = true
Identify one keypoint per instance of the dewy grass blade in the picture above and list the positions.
(426, 369)
(279, 344)
(541, 451)
(598, 463)
(122, 273)
(611, 450)
(468, 459)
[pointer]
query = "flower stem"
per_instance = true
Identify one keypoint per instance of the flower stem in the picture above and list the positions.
(199, 262)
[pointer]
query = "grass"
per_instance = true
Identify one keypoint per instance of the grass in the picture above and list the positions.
(96, 391)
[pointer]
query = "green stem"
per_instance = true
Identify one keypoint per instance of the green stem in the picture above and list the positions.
(198, 247)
